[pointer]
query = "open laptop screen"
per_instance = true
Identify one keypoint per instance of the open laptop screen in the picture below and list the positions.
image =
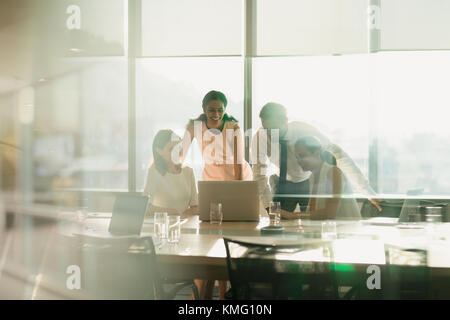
(128, 214)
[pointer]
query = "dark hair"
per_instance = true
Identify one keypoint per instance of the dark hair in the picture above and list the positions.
(273, 110)
(161, 139)
(211, 96)
(312, 144)
(214, 95)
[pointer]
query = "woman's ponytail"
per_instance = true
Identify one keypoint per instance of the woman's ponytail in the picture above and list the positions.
(328, 157)
(313, 144)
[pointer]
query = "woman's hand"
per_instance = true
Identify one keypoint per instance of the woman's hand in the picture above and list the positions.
(290, 215)
(376, 203)
(152, 209)
(191, 211)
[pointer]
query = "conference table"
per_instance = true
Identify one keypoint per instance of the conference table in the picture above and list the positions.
(201, 253)
(48, 248)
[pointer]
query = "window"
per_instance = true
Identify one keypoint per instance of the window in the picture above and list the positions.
(80, 129)
(385, 109)
(328, 92)
(413, 131)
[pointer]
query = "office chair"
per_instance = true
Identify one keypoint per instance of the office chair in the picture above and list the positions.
(259, 271)
(120, 269)
(110, 268)
(405, 276)
(131, 272)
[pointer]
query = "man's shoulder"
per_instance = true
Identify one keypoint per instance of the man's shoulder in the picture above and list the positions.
(298, 125)
(298, 129)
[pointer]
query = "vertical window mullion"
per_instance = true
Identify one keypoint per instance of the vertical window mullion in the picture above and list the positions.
(134, 45)
(374, 47)
(249, 51)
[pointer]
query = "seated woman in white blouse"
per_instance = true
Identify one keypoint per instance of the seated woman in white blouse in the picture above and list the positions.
(171, 188)
(326, 181)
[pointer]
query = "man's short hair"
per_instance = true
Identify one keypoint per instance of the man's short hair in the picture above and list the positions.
(273, 110)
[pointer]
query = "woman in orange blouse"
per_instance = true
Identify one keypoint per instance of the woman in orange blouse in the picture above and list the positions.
(220, 140)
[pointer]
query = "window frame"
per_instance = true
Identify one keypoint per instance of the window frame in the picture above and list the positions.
(133, 52)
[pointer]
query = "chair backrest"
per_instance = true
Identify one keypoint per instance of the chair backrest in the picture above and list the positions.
(124, 269)
(407, 276)
(107, 268)
(261, 271)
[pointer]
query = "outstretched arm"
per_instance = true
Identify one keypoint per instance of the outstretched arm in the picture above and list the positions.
(186, 141)
(151, 209)
(357, 180)
(191, 211)
(237, 163)
(193, 203)
(259, 160)
(238, 153)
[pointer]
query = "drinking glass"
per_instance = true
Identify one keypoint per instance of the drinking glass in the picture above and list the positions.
(274, 212)
(329, 230)
(82, 213)
(215, 213)
(160, 221)
(174, 229)
(433, 214)
(414, 215)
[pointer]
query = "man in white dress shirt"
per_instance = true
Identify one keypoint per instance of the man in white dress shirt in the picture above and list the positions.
(292, 180)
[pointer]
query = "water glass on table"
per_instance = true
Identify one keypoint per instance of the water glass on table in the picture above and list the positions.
(174, 229)
(414, 215)
(433, 214)
(215, 213)
(274, 212)
(329, 231)
(160, 222)
(82, 214)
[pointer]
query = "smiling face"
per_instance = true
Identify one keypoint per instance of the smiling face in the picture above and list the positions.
(214, 112)
(307, 160)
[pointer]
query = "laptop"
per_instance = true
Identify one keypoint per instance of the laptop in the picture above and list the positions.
(240, 199)
(128, 214)
(127, 219)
